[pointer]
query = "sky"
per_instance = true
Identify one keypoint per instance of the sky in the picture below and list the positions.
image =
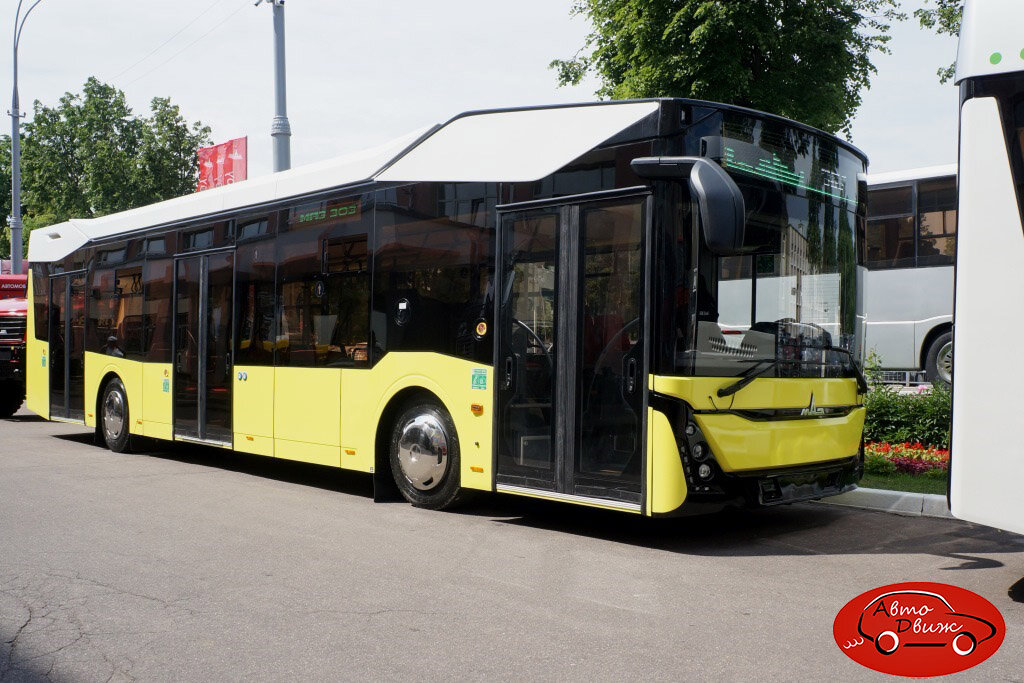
(361, 72)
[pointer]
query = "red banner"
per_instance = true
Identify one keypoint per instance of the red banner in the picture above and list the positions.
(223, 164)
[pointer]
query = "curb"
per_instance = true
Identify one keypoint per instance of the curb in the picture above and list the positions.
(895, 502)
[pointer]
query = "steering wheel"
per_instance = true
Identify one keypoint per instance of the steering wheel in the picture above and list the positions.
(534, 341)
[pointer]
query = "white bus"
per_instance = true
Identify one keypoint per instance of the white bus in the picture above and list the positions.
(987, 470)
(908, 286)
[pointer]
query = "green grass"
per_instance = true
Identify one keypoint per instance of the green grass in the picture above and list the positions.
(904, 482)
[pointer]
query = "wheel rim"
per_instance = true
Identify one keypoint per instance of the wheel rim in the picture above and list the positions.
(423, 452)
(944, 363)
(113, 415)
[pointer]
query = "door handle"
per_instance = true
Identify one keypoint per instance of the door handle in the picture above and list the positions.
(509, 373)
(630, 375)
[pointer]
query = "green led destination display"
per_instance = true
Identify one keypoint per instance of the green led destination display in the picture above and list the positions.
(314, 214)
(799, 174)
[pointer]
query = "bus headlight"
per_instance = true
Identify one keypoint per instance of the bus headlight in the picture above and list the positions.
(705, 472)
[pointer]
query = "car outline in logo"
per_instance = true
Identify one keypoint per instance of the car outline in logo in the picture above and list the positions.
(959, 648)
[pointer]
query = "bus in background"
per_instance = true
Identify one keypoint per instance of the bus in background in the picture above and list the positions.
(13, 314)
(987, 465)
(908, 285)
(523, 300)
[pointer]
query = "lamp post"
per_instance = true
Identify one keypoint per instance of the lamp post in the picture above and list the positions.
(280, 129)
(15, 218)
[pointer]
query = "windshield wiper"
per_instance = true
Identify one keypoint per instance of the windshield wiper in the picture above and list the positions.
(749, 376)
(762, 366)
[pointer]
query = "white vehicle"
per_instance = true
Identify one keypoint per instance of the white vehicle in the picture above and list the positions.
(987, 469)
(908, 286)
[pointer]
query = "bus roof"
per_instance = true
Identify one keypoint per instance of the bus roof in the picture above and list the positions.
(503, 145)
(924, 173)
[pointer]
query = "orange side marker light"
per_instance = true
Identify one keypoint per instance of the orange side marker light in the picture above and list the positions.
(478, 470)
(477, 409)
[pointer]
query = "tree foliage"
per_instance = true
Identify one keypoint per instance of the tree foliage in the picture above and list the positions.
(90, 155)
(805, 60)
(944, 18)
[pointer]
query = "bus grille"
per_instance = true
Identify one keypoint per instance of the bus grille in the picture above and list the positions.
(12, 329)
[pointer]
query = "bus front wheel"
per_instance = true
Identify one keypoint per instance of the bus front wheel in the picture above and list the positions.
(113, 422)
(425, 455)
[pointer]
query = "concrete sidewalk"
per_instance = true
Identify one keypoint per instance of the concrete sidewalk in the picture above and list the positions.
(898, 502)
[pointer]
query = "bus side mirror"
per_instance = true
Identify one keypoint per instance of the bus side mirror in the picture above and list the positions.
(719, 200)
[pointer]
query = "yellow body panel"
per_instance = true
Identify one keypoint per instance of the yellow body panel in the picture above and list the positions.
(252, 414)
(157, 400)
(306, 412)
(97, 366)
(367, 393)
(257, 445)
(37, 368)
(666, 481)
(315, 453)
(764, 392)
(740, 444)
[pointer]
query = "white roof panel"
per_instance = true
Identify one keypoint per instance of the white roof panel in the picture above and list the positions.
(514, 146)
(498, 146)
(911, 174)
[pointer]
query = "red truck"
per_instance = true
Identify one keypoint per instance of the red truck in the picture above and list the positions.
(13, 317)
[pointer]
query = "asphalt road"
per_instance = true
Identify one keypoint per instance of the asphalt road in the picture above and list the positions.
(195, 564)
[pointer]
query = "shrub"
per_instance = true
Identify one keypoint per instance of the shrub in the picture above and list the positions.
(908, 418)
(887, 459)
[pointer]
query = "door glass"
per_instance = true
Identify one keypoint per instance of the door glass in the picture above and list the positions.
(58, 334)
(526, 369)
(76, 348)
(186, 345)
(218, 347)
(610, 370)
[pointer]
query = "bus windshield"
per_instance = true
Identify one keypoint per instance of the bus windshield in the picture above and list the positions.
(780, 308)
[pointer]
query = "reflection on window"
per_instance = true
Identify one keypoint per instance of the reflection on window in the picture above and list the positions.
(936, 207)
(115, 313)
(890, 242)
(158, 286)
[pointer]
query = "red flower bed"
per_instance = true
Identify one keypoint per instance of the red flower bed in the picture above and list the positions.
(906, 457)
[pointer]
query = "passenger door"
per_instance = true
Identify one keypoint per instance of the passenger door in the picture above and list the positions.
(202, 348)
(571, 349)
(67, 347)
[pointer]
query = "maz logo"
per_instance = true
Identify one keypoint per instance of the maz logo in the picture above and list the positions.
(812, 410)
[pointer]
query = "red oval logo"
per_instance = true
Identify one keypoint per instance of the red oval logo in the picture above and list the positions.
(919, 629)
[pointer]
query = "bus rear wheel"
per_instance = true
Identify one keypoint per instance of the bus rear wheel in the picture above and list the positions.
(938, 366)
(113, 417)
(424, 455)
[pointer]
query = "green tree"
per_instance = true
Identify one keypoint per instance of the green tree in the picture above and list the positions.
(944, 18)
(90, 155)
(805, 60)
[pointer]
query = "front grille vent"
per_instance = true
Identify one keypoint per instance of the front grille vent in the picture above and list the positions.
(12, 328)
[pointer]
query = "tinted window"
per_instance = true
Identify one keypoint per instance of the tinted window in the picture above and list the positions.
(157, 280)
(323, 289)
(599, 169)
(890, 242)
(254, 299)
(40, 299)
(115, 312)
(433, 269)
(936, 215)
(891, 202)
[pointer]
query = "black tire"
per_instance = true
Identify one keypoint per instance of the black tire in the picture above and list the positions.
(114, 401)
(424, 455)
(938, 364)
(12, 395)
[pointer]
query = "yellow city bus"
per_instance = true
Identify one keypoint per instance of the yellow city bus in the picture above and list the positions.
(648, 306)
